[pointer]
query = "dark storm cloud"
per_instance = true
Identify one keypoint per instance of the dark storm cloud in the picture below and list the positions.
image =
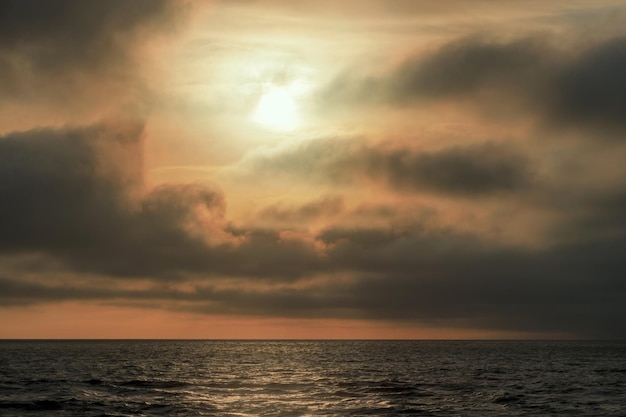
(18, 292)
(449, 280)
(466, 66)
(566, 85)
(43, 43)
(574, 285)
(587, 214)
(55, 182)
(23, 292)
(69, 192)
(432, 278)
(77, 195)
(427, 275)
(592, 90)
(559, 289)
(469, 65)
(472, 170)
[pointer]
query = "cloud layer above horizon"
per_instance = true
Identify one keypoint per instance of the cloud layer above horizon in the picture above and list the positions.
(455, 166)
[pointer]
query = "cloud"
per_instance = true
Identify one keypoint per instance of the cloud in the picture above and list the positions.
(463, 170)
(468, 65)
(323, 159)
(78, 193)
(590, 91)
(446, 279)
(53, 50)
(547, 290)
(426, 11)
(56, 182)
(75, 194)
(472, 170)
(431, 277)
(587, 214)
(565, 86)
(322, 208)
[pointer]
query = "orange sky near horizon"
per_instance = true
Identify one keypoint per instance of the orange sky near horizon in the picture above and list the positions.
(80, 321)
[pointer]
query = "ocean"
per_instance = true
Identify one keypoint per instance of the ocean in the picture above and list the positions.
(312, 378)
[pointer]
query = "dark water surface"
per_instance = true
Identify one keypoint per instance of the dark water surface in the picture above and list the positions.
(312, 378)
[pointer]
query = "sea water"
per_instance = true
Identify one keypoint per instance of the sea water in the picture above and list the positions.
(312, 378)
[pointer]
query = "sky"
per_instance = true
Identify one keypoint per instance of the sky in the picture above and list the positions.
(315, 169)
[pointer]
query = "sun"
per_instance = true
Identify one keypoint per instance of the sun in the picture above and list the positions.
(277, 109)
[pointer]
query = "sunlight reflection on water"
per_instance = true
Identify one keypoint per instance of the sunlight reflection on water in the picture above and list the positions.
(383, 378)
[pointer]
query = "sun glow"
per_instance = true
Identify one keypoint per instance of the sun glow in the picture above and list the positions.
(277, 110)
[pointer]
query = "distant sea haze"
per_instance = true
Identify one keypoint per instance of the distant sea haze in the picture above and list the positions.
(312, 378)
